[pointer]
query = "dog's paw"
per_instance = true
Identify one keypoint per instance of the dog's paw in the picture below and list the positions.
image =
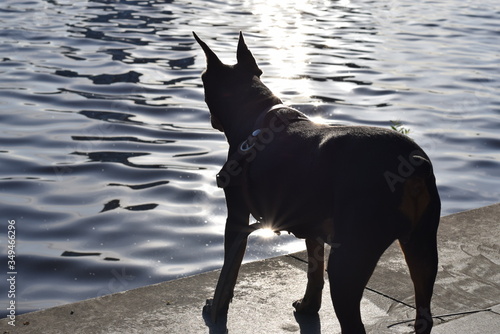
(218, 325)
(303, 307)
(213, 314)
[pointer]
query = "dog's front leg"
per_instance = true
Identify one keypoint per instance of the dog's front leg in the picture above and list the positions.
(311, 303)
(235, 242)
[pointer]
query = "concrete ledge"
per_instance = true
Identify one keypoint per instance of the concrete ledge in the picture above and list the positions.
(466, 297)
(487, 321)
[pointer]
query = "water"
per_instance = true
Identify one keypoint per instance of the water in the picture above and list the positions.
(107, 156)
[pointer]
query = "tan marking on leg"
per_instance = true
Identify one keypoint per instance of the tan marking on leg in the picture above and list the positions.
(415, 199)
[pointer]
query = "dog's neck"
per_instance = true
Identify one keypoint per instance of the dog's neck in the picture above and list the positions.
(245, 125)
(243, 118)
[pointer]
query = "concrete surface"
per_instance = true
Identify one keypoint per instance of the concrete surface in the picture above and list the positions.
(467, 295)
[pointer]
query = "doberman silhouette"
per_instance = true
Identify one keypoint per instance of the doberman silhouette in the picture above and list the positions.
(356, 188)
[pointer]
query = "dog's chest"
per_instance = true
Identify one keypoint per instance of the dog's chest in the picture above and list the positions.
(287, 186)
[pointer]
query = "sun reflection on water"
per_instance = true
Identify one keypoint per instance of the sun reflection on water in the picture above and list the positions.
(286, 30)
(283, 25)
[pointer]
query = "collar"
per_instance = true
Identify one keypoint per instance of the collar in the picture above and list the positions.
(263, 114)
(269, 122)
(259, 124)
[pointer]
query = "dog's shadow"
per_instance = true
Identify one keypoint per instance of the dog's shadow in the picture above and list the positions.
(308, 324)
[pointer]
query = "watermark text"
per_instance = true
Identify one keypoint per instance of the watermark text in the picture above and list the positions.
(11, 272)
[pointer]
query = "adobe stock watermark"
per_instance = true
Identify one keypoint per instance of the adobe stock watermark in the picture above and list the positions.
(316, 257)
(119, 282)
(249, 149)
(406, 168)
(11, 272)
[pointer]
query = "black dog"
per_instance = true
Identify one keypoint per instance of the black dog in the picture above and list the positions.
(356, 188)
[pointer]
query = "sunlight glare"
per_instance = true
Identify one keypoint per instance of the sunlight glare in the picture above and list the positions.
(264, 233)
(286, 30)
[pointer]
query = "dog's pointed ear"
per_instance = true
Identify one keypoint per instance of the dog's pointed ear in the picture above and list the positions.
(246, 59)
(212, 59)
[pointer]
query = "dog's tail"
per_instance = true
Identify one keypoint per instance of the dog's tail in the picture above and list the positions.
(424, 166)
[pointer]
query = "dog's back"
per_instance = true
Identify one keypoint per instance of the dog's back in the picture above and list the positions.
(314, 172)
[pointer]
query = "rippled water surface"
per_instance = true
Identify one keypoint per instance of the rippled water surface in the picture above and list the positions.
(107, 155)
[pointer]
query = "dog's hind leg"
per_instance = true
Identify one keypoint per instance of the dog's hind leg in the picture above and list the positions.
(350, 266)
(422, 258)
(311, 303)
(422, 207)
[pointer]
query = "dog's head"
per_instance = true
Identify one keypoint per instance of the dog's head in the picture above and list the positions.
(231, 89)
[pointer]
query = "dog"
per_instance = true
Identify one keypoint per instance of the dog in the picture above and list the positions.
(356, 188)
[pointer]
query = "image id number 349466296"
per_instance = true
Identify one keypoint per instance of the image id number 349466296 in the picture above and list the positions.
(11, 272)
